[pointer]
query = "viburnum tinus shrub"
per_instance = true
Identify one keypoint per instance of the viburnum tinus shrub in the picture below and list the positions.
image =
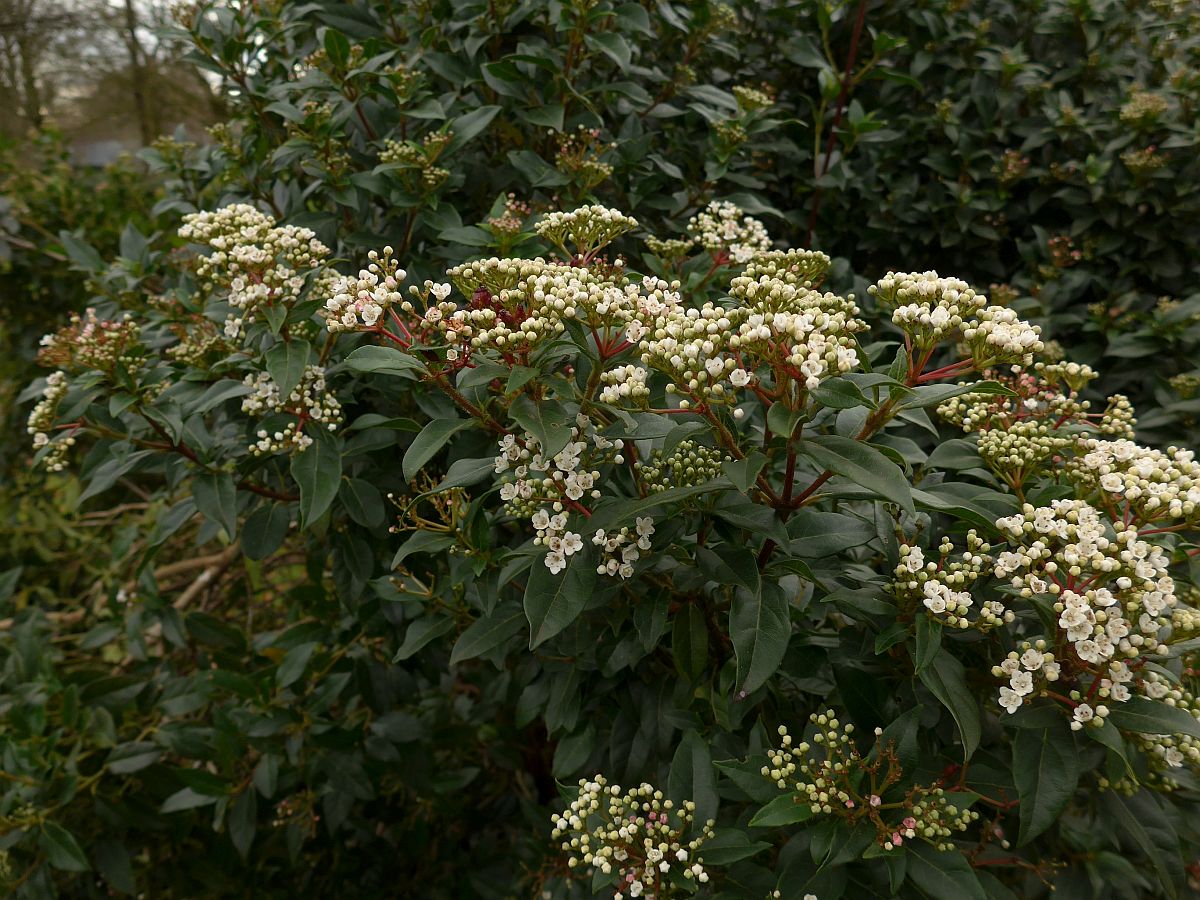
(564, 578)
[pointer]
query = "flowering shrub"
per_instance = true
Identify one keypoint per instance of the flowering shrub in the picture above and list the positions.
(662, 522)
(475, 443)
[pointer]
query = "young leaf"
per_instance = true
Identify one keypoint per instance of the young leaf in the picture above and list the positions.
(546, 420)
(216, 498)
(383, 361)
(942, 874)
(692, 776)
(929, 640)
(786, 809)
(1147, 716)
(487, 633)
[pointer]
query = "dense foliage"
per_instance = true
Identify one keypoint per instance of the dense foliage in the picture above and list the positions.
(583, 479)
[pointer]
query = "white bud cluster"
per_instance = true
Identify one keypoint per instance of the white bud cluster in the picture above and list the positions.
(711, 352)
(308, 401)
(584, 231)
(840, 782)
(636, 837)
(927, 306)
(41, 421)
(360, 301)
(259, 262)
(723, 227)
(998, 335)
(1168, 752)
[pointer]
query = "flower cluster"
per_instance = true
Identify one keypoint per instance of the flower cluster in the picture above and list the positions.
(728, 233)
(1145, 484)
(416, 160)
(842, 782)
(751, 98)
(89, 342)
(620, 549)
(1168, 752)
(544, 488)
(926, 306)
(360, 301)
(998, 335)
(626, 382)
(579, 155)
(200, 339)
(689, 463)
(1039, 418)
(41, 421)
(671, 249)
(515, 304)
(638, 837)
(1109, 589)
(260, 263)
(776, 320)
(308, 401)
(929, 308)
(1033, 661)
(942, 587)
(582, 233)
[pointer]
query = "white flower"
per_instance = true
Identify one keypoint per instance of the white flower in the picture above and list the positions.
(1010, 699)
(555, 562)
(739, 378)
(1022, 683)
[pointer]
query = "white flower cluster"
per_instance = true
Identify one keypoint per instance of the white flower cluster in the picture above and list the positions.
(581, 233)
(259, 262)
(722, 227)
(1111, 589)
(930, 308)
(1034, 661)
(309, 401)
(637, 836)
(559, 483)
(41, 421)
(621, 549)
(624, 383)
(360, 301)
(941, 586)
(1155, 484)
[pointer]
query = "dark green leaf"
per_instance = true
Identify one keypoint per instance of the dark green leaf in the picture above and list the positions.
(862, 464)
(552, 602)
(1046, 771)
(318, 472)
